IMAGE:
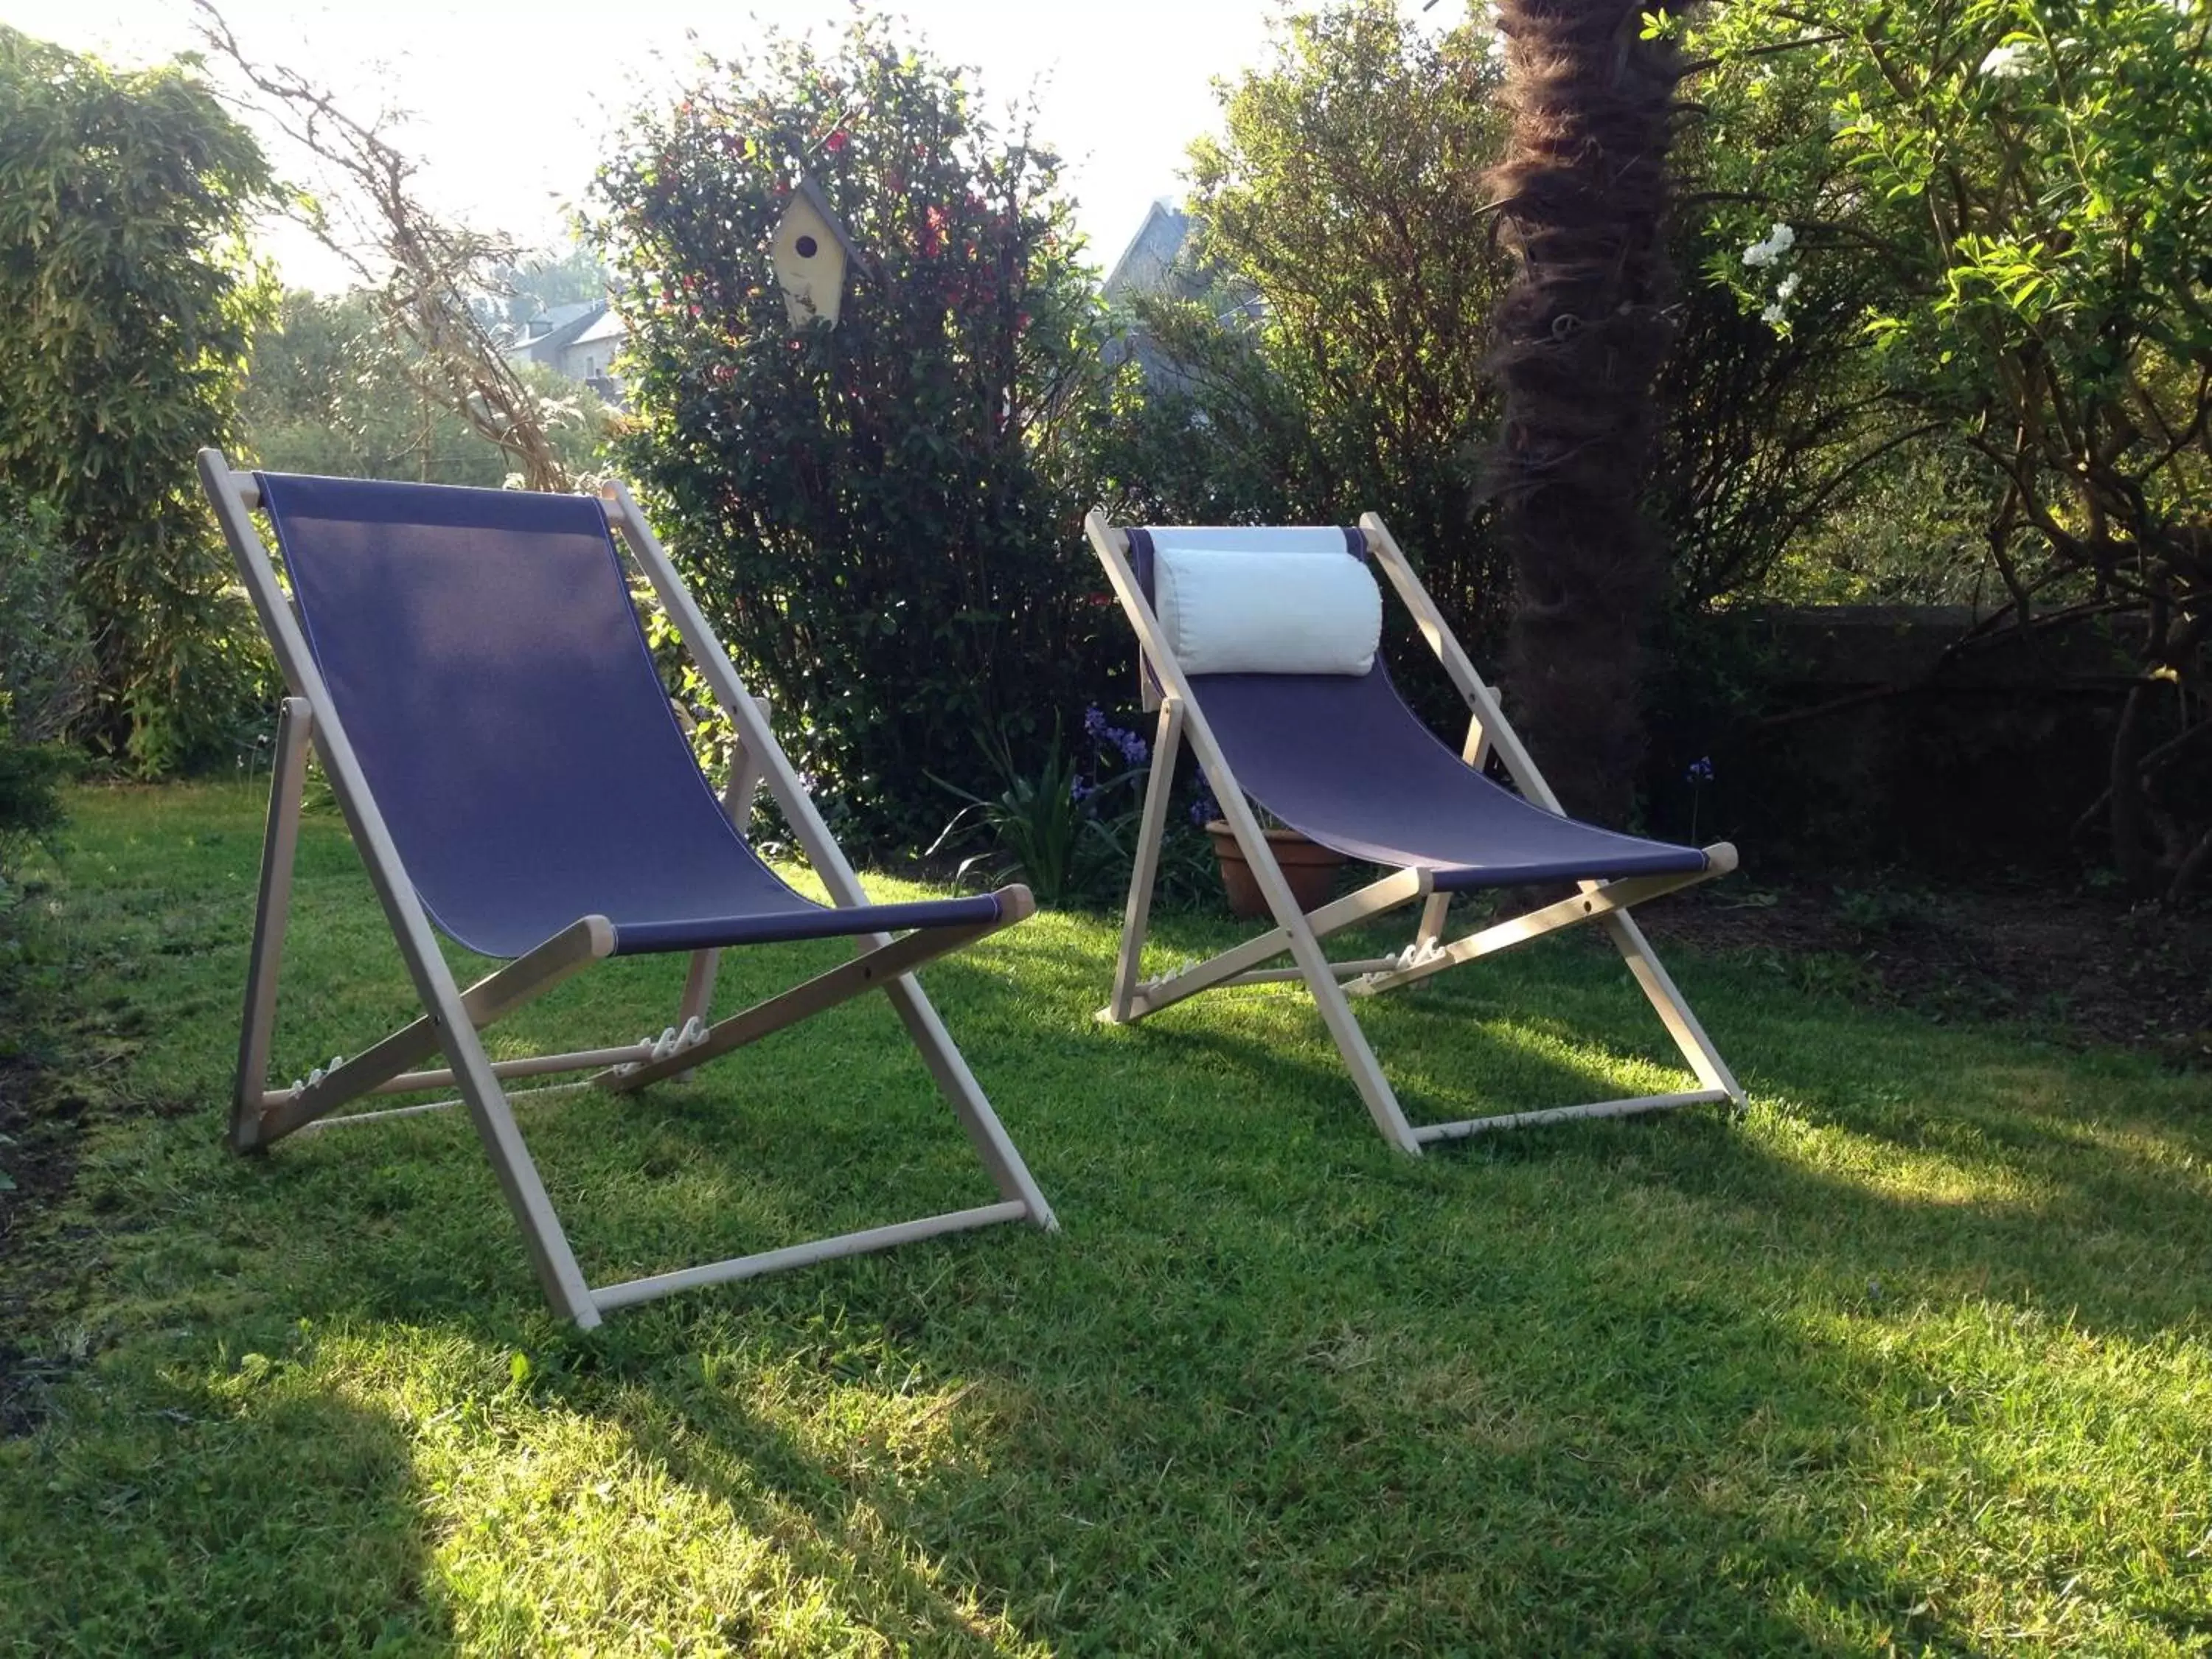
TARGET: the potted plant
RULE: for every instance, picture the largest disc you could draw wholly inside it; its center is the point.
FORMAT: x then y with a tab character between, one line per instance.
1309	867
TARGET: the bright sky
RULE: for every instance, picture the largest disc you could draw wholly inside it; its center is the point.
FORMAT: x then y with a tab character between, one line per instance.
509	105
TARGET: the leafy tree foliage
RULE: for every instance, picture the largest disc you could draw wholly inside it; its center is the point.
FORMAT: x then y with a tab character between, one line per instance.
883	517
1771	437
426	274
1334	363
123	200
329	390
1334	360
2034	180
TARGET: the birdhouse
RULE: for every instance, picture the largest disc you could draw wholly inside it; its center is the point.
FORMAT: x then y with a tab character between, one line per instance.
810	252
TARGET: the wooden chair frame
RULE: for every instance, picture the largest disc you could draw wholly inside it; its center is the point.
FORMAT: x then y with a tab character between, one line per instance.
453	1020
1333	984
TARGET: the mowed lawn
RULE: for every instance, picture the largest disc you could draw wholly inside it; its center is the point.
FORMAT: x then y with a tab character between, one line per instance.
1913	1355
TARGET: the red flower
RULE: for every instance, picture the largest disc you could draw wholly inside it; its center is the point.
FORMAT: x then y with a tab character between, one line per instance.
834	143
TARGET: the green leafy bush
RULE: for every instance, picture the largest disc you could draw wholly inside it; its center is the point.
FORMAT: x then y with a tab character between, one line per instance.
125	198
1332	360
883	519
45	660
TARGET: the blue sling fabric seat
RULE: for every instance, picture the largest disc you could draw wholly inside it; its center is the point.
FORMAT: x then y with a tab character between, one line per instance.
1343	761
481	648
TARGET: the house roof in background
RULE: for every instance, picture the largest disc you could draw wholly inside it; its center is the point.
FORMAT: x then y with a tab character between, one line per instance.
1144	263
569	323
608	326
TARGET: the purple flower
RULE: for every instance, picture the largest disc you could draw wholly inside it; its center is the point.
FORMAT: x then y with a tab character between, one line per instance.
1701	769
1132	749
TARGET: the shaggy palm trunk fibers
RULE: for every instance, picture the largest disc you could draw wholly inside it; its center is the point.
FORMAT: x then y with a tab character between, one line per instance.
1581	336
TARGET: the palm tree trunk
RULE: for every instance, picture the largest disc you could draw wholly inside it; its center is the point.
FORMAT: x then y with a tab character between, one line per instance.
1581	335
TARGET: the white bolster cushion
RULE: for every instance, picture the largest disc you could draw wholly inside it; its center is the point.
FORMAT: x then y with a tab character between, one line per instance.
1267	613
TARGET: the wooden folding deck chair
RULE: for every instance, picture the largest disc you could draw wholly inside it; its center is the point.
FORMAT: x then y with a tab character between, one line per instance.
469	666
1267	663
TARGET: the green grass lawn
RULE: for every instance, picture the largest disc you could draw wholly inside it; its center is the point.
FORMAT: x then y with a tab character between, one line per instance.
1912	1355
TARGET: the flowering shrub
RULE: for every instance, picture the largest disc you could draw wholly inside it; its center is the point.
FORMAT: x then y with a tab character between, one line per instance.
881	518
2030	180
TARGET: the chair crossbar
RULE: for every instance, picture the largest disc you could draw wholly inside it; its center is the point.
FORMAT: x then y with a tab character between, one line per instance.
1400	887
868	972
1290	976
489	999
385	1114
1587	906
578	1059
1429	1134
608	1297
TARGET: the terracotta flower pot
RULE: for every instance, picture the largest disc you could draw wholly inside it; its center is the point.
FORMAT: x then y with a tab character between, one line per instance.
1310	867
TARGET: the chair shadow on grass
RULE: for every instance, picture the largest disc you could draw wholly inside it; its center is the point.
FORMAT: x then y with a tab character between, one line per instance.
2054	1198
1274	1382
2105	1239
241	1510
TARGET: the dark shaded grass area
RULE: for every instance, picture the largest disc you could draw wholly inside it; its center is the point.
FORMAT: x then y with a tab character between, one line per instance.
1910	1355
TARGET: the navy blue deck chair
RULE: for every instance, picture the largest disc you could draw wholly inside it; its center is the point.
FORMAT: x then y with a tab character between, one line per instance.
469	668
1261	647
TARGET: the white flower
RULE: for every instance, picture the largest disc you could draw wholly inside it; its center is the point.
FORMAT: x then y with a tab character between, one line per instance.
1779	240
1788	287
2008	62
1773	314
